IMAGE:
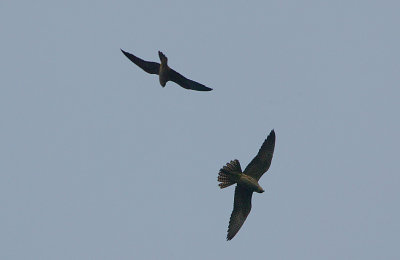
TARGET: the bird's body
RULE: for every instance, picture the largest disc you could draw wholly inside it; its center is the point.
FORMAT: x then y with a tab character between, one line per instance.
164	69
247	182
164	72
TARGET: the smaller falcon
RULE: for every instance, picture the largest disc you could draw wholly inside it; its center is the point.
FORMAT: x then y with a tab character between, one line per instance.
247	182
165	73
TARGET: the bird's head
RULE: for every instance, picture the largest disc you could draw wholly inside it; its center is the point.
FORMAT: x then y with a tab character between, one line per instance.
259	189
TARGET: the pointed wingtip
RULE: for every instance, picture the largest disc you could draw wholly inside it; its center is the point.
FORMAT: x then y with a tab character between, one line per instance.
230	236
196	86
200	87
272	136
124	52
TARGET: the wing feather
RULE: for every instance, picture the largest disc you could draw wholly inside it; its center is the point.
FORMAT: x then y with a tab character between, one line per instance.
241	209
186	83
261	163
148	66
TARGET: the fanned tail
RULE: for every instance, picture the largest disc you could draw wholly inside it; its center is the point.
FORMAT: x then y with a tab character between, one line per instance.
229	174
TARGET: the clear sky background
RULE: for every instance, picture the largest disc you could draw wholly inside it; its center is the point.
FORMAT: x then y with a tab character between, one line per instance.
98	161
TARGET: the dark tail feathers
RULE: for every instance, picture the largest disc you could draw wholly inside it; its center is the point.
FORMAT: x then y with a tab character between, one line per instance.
163	58
229	174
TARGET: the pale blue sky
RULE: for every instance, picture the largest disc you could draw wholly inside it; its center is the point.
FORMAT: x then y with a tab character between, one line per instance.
98	161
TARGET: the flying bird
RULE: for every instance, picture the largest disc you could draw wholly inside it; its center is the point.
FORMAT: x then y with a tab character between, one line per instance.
164	72
247	182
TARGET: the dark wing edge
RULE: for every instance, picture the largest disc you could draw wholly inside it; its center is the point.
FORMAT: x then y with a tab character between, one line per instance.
148	66
186	83
241	209
261	163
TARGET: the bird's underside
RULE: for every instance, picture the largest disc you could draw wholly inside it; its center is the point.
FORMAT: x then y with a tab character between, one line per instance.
165	73
247	183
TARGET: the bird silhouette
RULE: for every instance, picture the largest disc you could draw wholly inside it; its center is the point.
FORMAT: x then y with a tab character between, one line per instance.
247	182
164	72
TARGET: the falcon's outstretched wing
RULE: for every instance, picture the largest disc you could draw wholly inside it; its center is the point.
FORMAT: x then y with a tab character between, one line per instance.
260	164
186	83
241	209
148	66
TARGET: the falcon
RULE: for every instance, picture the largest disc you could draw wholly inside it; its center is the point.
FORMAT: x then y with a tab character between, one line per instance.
247	182
164	72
